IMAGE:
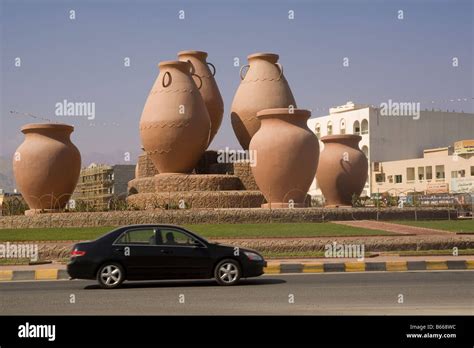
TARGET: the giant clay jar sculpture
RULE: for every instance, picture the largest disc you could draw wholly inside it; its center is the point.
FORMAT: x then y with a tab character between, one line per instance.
46	166
342	170
209	90
263	87
286	153
175	124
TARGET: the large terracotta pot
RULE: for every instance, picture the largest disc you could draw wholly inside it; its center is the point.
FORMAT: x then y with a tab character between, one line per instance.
263	87
342	170
209	90
46	166
175	124
287	155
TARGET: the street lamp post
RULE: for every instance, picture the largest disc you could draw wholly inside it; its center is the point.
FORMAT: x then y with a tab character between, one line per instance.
378	202
414	203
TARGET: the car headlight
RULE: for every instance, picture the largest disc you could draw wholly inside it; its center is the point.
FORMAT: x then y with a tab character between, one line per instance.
253	256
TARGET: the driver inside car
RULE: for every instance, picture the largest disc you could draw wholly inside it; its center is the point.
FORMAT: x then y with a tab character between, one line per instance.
170	238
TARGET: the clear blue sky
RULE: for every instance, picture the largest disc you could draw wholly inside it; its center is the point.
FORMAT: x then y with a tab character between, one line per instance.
82	60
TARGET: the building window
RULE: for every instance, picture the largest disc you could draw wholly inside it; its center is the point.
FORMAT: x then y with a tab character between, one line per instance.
398	179
356	128
342	125
364	127
329	128
429	172
365	150
472	170
439	172
454	174
390	179
318	130
380	177
411	174
421	173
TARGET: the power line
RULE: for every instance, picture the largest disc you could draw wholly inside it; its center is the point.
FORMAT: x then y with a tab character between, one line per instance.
30	115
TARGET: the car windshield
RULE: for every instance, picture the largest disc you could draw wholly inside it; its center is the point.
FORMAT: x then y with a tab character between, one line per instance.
199	236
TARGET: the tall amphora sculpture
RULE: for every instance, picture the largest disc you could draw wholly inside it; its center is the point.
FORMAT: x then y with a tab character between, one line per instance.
342	170
286	153
46	166
175	125
263	87
209	90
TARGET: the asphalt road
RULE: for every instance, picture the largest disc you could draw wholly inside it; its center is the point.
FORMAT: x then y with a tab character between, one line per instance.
444	292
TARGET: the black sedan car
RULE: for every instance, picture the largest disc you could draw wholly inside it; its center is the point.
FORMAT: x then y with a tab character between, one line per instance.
147	252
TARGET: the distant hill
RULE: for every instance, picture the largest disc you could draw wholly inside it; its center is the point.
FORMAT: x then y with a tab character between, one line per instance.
111	158
7	183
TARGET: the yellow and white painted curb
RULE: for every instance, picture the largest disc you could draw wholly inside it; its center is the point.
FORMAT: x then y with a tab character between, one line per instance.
356	266
38	274
282	267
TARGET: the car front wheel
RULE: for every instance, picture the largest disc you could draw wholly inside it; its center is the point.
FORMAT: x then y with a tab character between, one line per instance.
227	272
110	275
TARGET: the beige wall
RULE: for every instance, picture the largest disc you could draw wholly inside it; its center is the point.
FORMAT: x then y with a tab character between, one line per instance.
414	173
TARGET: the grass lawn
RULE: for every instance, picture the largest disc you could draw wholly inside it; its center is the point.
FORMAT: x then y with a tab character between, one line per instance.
280	230
448	252
38	234
14	261
300	254
448	225
205	230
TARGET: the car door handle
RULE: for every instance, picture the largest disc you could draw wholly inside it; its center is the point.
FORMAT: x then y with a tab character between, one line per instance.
164	251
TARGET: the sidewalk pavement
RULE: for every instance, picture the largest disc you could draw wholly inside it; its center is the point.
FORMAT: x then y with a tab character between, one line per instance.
57	271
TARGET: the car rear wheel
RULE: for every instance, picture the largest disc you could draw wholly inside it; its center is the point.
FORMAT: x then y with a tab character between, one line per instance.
227	272
110	275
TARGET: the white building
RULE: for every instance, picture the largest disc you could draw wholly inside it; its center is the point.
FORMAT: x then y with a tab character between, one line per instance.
392	137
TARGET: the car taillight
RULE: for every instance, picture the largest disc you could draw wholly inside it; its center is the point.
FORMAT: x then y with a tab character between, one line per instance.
76	252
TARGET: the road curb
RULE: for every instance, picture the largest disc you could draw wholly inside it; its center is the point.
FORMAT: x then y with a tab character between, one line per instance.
358	266
278	267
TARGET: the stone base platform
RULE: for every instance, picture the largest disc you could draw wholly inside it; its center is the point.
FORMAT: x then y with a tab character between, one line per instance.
284	205
196	199
184	182
207	165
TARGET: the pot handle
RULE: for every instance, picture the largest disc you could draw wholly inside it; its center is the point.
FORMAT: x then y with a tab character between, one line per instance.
169	78
200	80
213	68
241	70
281	69
192	69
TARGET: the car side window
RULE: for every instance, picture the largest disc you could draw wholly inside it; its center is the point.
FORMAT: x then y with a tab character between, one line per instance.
142	236
175	237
